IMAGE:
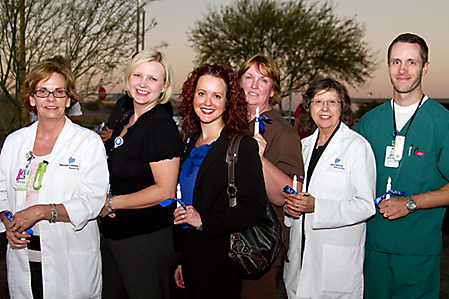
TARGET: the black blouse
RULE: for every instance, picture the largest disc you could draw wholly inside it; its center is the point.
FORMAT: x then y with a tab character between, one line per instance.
154	137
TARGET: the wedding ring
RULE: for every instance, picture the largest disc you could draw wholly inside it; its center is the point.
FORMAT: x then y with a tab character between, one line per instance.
297	205
386	214
183	216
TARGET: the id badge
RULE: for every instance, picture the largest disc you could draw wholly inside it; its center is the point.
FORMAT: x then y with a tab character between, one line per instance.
389	158
22	179
399	142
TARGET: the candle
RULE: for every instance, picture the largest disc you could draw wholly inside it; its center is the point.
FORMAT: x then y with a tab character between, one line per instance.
295	183
178	194
388	188
256	123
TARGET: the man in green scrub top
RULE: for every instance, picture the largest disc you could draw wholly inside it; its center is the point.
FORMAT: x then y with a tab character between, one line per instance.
410	139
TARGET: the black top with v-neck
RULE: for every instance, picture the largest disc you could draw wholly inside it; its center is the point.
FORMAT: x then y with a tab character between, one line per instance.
316	154
154	137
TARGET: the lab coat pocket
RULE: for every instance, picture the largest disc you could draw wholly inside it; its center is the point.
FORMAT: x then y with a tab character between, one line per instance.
342	269
335	182
62	182
85	274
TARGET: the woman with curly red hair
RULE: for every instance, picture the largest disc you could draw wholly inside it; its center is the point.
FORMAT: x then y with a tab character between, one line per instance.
214	109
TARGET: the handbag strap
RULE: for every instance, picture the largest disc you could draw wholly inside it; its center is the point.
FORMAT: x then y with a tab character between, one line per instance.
231	159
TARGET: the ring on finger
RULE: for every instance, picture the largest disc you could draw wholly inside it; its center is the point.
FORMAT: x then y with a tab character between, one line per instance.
183	216
297	205
386	214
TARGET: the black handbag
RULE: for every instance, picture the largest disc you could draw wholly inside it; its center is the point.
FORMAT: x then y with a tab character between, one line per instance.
252	251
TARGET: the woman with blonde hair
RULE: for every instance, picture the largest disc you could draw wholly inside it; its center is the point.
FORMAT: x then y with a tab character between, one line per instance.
144	150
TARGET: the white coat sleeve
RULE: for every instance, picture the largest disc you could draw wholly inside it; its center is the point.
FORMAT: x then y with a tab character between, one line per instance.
358	205
92	184
5	165
4	203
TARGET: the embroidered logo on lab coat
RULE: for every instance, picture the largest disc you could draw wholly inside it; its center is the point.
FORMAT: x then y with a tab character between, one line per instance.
71	164
336	165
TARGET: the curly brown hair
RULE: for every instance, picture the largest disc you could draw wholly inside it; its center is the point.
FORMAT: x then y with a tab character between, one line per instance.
42	71
346	116
235	114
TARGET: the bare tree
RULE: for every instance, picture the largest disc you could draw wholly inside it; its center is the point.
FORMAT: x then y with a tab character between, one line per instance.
97	36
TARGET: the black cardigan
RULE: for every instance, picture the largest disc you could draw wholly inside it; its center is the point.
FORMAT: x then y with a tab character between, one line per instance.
212	202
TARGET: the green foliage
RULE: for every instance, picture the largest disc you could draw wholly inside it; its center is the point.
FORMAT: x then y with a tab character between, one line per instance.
91	105
108	108
95	121
306	42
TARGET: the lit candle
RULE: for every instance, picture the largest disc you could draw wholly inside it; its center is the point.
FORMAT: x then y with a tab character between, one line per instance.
256	124
388	188
295	183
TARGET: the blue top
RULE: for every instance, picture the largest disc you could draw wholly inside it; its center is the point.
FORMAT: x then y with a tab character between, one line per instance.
189	172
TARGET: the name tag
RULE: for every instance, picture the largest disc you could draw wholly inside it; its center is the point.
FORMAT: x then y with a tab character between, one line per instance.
389	158
22	179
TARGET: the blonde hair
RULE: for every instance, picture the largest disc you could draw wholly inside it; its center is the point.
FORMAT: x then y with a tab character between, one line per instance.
153	55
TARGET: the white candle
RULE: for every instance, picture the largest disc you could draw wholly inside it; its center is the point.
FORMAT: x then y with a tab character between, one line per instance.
295	183
256	123
178	194
388	187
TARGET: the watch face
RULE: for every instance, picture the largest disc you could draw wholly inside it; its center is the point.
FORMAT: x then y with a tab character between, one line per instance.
411	204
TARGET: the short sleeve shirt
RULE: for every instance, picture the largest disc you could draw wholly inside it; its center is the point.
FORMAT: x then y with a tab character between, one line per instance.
154	137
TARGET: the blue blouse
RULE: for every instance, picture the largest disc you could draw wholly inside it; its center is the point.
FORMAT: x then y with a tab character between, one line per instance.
189	172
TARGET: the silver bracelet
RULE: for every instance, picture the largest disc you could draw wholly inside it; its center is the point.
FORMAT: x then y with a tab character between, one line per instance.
54	213
109	203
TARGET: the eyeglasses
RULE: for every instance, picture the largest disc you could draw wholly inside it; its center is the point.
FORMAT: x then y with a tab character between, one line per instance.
330	103
43	93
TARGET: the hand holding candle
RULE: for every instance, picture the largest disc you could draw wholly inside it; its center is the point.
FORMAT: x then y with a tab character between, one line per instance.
178	196
100	127
9	216
295	183
388	188
256	123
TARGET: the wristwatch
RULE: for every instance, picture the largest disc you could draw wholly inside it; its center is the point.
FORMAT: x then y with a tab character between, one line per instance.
109	203
411	204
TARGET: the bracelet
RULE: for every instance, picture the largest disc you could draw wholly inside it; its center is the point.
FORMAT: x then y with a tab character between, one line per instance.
109	203
54	213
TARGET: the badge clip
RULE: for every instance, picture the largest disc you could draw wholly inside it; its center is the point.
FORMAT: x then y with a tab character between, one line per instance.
42	167
399	142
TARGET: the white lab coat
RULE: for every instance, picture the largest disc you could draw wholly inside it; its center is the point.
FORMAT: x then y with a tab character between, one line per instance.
77	177
343	184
